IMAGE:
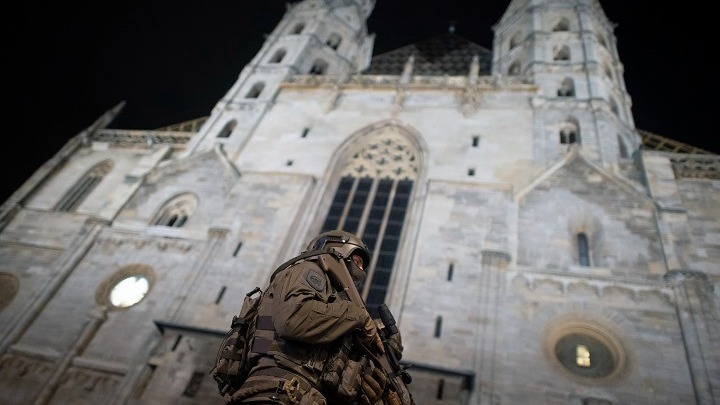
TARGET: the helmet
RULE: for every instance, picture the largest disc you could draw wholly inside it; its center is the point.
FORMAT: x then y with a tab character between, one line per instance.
343	242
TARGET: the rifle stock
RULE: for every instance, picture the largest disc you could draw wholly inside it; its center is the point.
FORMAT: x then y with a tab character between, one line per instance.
397	376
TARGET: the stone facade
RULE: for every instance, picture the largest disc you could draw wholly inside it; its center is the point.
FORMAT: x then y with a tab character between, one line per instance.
541	256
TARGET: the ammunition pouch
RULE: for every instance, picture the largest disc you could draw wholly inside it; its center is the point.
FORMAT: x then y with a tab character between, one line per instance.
278	385
343	377
313	397
330	380
351	380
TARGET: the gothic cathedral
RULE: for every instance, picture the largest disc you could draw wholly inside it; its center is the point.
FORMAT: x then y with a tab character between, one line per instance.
531	243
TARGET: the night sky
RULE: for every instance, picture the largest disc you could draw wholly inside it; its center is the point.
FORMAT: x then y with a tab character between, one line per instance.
66	64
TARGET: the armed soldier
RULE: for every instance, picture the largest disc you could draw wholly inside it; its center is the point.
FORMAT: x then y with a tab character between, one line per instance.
314	343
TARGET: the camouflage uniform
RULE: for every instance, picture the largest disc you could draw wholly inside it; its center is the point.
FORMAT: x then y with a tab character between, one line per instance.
307	316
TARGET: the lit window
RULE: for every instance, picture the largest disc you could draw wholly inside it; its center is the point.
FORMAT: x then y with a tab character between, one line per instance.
582	356
129	291
575	351
125	287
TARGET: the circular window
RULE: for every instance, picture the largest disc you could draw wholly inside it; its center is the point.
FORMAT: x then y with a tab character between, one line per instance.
129	291
9	287
127	287
585	356
587	351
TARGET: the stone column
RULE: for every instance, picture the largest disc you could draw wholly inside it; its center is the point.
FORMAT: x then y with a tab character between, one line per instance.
97	317
73	254
698	318
491	291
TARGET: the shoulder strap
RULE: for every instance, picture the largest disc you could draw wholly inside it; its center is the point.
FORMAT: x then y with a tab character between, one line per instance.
302	256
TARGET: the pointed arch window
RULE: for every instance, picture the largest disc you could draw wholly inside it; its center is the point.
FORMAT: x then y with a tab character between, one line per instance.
334	41
514	69
176	211
371	201
255	91
227	129
278	56
298	28
318	67
614	107
607	71
515	40
561	53
622	147
83	187
569	133
562	25
601	40
567	88
583	249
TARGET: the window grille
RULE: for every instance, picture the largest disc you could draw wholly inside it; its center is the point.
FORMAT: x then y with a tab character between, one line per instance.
83	187
371	201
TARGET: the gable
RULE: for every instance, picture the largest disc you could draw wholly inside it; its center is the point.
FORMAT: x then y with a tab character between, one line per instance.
206	175
575	198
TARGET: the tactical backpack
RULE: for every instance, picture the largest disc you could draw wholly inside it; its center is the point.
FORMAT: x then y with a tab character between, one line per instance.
250	336
232	360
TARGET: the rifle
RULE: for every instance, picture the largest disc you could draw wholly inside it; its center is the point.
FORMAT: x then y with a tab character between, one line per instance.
396	392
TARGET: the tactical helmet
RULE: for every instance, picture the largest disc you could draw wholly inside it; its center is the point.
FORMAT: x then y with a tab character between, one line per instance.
343	242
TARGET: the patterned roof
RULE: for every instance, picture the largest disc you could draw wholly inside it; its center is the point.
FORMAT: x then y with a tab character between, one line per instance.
447	54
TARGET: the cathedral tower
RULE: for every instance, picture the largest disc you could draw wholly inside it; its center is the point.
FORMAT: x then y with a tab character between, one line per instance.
568	48
530	248
315	37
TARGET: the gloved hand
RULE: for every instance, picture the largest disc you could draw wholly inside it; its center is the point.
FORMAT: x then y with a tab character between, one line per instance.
373	385
370	337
